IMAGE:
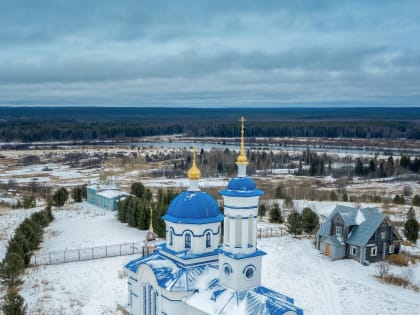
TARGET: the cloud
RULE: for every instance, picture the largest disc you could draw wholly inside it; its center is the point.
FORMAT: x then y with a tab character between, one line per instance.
209	53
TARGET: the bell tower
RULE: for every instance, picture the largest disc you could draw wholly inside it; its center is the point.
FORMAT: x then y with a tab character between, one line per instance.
239	258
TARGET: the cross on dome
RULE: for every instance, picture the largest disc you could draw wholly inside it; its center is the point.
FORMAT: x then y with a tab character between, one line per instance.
242	160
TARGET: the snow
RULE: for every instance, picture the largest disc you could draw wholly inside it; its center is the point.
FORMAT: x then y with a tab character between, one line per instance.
360	218
292	267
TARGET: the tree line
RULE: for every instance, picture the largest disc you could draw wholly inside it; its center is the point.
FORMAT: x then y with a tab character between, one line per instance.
136	209
27	238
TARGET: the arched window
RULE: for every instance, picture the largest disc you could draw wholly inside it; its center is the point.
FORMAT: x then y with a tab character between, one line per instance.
171	237
238	232
187	240
208	240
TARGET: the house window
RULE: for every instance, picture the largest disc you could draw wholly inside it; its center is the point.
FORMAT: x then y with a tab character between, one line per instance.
353	250
208	240
383	235
373	251
338	230
391	249
187	240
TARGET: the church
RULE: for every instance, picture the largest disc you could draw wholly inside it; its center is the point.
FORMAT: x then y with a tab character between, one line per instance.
192	273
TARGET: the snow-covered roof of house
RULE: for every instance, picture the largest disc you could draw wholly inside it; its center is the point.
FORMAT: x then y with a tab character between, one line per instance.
111	194
365	220
101	187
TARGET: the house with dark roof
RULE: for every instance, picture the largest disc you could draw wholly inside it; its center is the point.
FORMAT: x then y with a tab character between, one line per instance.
362	234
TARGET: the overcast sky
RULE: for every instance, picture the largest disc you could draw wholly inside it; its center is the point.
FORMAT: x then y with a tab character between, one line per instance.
210	53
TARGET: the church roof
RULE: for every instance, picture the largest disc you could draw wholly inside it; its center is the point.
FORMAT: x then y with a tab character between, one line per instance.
193	207
241	187
208	294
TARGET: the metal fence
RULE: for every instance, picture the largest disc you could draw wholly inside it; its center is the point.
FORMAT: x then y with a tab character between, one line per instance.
61	257
270	232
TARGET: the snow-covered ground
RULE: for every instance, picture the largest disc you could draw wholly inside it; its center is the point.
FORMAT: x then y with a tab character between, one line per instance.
292	267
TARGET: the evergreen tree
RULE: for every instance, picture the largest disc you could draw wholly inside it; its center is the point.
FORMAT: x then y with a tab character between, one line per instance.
279	192
411	226
29	201
76	194
344	197
333	195
310	220
144	214
288	202
399	200
13	265
138	189
60	197
416	201
294	223
84	191
13	303
262	210
275	214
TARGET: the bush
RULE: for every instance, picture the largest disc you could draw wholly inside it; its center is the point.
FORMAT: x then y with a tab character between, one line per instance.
398	260
29	201
13	303
416	201
262	210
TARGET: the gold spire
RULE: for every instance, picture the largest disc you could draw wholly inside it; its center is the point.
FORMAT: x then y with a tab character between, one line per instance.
151	220
194	173
242	157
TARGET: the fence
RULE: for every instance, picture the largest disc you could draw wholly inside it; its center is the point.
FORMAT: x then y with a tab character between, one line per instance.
61	257
270	232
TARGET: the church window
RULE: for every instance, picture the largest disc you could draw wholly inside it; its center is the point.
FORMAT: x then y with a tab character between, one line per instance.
208	240
250	230
238	232
187	240
227	269
249	272
171	237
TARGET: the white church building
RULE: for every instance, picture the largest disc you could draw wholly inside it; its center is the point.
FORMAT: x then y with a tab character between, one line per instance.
192	273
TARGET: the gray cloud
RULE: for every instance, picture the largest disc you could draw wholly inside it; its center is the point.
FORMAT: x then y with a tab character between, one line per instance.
207	53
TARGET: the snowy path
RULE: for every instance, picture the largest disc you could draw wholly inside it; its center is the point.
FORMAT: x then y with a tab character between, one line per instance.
333	307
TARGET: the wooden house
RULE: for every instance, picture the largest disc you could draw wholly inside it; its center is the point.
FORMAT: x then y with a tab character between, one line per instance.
365	235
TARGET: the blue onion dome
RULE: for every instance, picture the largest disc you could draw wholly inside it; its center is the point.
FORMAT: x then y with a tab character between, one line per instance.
241	187
193	207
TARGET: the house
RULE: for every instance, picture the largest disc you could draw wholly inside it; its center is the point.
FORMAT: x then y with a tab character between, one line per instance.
365	235
192	273
105	196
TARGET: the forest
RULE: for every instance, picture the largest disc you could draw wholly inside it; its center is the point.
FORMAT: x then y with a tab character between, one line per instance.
96	124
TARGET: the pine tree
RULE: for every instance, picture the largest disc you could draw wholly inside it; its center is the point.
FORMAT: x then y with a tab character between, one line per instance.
60	197
13	303
411	226
275	214
13	266
288	202
144	215
262	210
310	220
294	223
76	194
138	189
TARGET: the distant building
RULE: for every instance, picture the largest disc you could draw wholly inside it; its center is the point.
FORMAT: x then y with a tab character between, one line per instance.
192	273
365	235
105	196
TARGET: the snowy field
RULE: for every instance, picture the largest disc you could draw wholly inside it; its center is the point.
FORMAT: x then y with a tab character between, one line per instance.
292	267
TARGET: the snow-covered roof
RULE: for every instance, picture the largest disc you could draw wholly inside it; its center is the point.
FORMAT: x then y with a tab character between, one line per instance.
101	187
111	194
207	294
365	220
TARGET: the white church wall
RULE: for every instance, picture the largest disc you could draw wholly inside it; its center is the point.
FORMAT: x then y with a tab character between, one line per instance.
241	201
237	278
